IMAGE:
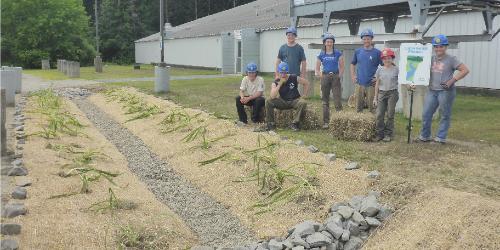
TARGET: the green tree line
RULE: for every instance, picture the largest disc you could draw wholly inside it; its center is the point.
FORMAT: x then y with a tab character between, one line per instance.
32	30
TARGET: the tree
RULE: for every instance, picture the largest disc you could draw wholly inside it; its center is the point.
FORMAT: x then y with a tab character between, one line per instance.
39	29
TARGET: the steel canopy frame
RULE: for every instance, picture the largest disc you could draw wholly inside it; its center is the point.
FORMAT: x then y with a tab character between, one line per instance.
353	11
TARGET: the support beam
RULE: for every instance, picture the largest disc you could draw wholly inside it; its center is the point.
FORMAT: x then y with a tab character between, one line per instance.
419	10
390	22
353	22
488	21
326	21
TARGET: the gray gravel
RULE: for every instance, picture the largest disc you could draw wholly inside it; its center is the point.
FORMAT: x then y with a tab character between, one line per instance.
213	223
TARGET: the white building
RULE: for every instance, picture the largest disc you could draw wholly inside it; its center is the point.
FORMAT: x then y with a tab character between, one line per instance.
254	32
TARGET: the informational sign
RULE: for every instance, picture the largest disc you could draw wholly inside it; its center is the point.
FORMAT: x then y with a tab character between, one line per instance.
415	63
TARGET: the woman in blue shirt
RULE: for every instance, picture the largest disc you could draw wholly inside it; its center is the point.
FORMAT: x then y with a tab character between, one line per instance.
330	68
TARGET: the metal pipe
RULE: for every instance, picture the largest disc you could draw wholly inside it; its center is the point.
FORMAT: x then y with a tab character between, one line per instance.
162	27
433	21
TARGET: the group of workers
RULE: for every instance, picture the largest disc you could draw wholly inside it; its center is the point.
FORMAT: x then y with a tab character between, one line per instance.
372	71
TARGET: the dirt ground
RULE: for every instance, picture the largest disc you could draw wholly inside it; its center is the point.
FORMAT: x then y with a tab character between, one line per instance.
65	223
427	217
442	218
217	179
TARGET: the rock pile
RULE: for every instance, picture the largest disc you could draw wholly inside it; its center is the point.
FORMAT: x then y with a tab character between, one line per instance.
347	226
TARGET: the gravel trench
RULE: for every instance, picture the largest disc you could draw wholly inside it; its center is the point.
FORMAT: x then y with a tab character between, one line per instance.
211	221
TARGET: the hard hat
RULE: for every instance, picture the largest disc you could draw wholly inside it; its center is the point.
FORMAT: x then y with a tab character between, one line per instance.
387	52
283	67
251	67
440	40
292	30
328	36
366	32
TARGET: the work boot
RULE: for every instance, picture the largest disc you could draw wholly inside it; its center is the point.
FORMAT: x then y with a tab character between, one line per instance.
377	138
294	127
387	138
325	126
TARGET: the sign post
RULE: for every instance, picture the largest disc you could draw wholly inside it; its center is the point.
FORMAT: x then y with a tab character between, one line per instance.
414	69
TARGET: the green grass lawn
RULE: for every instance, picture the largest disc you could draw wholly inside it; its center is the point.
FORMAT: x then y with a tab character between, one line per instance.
470	165
111	71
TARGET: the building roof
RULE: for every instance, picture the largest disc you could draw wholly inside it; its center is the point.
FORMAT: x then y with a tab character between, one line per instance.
260	14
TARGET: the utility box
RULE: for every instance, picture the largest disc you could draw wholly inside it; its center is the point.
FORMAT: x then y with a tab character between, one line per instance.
162	78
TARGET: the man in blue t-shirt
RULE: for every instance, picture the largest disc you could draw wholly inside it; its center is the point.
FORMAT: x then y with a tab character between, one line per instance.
363	67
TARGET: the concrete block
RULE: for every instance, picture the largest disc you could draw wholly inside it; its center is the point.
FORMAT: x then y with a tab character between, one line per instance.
45	64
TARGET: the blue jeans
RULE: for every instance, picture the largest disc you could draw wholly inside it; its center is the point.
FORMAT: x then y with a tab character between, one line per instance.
434	99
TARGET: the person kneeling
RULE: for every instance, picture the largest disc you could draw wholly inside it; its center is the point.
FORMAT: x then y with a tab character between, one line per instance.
251	94
285	95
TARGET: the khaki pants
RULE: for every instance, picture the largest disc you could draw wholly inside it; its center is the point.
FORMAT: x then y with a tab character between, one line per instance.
386	102
330	82
278	103
361	92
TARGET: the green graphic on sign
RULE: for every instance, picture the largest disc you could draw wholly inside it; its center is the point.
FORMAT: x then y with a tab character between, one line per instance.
412	63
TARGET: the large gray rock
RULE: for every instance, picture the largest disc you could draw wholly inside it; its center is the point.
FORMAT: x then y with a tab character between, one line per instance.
305	228
345	211
299	143
318	239
373	175
9	244
357	217
334	229
384	213
332	246
298	248
372	221
312	149
297	241
19	193
334	218
355	202
345	235
336	205
275	245
327	234
23	181
353	228
13	210
369	206
14	171
351	166
353	243
17	162
331	157
10	229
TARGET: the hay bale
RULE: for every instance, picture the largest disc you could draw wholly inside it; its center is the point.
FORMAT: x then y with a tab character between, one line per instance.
262	116
284	118
352	126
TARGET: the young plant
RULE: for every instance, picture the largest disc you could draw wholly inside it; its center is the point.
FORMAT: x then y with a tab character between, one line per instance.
88	175
111	204
279	184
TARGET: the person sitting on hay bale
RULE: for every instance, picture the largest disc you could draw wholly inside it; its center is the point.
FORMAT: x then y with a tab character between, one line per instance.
251	94
285	95
386	95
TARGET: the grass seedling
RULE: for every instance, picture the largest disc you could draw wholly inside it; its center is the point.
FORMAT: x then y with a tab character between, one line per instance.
58	120
111	203
210	161
88	175
279	184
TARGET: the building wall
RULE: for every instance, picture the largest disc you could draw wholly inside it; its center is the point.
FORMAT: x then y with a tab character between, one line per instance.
147	52
199	52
